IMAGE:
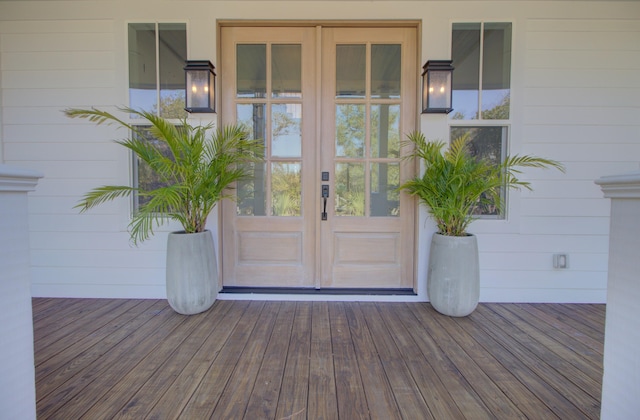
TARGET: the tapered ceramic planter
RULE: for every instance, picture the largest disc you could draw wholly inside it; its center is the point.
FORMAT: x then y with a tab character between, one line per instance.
453	284
192	272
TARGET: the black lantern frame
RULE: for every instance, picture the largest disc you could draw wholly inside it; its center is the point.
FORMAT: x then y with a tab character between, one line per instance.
200	86
437	82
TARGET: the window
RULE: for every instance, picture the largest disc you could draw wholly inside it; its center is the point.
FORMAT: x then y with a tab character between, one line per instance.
157	55
481	55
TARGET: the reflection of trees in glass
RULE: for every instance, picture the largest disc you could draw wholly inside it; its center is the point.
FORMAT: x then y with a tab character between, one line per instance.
350	130
385	196
385	131
171	105
498	112
148	179
486	143
283	124
286	134
286	190
251	200
350	196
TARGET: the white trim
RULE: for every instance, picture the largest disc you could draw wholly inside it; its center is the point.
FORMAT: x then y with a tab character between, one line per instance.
13	178
621	186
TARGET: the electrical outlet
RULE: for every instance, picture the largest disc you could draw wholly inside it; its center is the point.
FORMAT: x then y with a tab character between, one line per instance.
560	261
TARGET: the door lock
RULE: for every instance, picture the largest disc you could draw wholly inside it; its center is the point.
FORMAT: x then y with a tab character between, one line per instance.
325	195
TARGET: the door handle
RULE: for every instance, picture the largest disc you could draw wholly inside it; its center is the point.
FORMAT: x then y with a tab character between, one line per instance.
325	195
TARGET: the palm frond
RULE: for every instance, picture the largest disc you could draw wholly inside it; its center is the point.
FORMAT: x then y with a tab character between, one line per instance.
197	166
454	182
103	194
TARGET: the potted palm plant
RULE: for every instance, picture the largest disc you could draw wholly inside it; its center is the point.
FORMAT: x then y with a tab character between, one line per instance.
453	186
195	166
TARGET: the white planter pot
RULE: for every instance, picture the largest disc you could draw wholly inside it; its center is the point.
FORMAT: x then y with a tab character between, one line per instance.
453	284
192	272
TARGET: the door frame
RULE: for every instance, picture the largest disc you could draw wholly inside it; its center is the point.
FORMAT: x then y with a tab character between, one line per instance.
319	25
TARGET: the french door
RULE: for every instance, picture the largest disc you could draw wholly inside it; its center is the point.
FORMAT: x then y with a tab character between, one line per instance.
332	105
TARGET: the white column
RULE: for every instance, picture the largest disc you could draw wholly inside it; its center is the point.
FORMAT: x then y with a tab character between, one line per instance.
17	372
621	380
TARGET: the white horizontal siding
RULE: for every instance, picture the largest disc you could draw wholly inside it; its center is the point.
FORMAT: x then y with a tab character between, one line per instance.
577	207
86	240
105	259
539	243
542	261
580	89
580	135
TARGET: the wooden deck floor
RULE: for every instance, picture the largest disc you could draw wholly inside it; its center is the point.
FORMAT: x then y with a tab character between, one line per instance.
138	359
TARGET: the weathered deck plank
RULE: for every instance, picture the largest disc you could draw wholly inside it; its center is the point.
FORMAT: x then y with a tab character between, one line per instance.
294	360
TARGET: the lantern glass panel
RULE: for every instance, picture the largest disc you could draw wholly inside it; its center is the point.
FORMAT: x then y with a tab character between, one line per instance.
439	85
198	85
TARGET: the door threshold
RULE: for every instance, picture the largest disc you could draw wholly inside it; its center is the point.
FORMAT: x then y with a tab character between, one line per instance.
313	291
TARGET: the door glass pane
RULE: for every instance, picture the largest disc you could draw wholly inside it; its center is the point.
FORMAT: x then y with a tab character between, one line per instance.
252	116
351	67
172	52
251	70
286	71
350	130
465	56
286	131
385	71
251	192
143	94
496	71
286	191
385	198
385	131
349	185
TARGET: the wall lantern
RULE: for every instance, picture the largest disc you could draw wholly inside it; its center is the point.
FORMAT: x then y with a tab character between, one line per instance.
436	87
200	86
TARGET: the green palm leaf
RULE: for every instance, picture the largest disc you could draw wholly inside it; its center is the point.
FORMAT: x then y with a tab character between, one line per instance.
454	182
197	171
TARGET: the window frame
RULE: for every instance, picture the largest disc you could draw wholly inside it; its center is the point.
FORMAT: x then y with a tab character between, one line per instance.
132	159
504	124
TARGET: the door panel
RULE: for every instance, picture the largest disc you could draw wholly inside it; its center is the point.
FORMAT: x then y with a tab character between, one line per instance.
331	104
268	82
368	101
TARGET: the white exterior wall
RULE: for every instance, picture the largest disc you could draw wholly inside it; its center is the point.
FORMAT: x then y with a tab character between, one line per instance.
574	98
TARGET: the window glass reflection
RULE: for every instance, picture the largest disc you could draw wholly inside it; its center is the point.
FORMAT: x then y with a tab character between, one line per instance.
385	70
385	131
286	71
251	70
496	71
350	130
465	56
172	54
350	191
143	93
286	193
385	198
286	131
351	66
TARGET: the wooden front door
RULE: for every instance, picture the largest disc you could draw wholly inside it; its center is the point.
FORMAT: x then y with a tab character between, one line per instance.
332	105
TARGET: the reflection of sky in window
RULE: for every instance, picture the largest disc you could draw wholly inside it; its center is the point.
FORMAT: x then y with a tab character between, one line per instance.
286	141
491	98
142	99
145	99
465	102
